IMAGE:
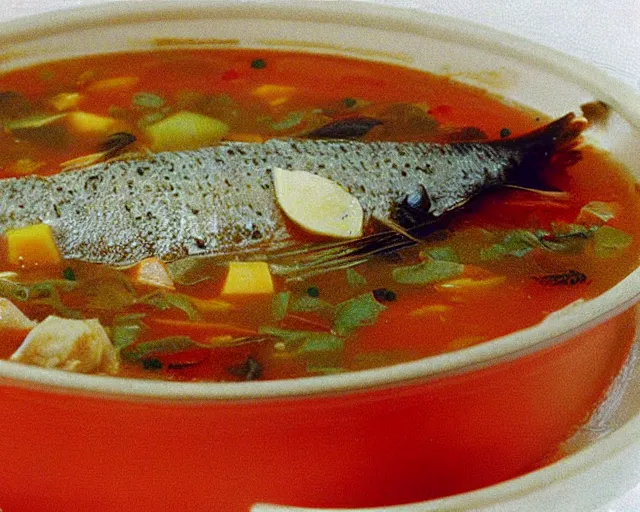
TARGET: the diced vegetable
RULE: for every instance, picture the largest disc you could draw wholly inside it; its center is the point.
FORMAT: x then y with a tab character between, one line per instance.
318	205
248	278
85	123
152	272
110	84
12	318
147	100
66	100
356	312
73	345
185	130
274	94
429	271
32	245
470	284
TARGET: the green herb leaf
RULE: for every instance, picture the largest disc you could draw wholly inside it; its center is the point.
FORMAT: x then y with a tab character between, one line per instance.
147	100
164	301
43	292
596	210
125	334
610	242
444	253
279	305
516	243
356	312
168	345
308	304
322	342
355	279
429	271
293	119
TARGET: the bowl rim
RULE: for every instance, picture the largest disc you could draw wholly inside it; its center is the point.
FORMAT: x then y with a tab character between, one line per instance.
556	328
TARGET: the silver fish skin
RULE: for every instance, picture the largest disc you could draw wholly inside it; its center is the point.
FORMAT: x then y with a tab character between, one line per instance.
220	199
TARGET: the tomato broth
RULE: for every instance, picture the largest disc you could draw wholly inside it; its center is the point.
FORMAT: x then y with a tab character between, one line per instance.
506	261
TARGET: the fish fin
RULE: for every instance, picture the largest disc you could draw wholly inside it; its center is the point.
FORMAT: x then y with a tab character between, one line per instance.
312	259
554	143
391	225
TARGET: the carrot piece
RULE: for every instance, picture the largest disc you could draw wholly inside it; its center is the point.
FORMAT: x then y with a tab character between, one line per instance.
32	245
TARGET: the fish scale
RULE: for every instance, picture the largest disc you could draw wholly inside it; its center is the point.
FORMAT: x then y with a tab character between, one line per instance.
220	199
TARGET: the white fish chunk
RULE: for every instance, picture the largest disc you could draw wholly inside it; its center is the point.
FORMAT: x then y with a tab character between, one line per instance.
80	346
12	318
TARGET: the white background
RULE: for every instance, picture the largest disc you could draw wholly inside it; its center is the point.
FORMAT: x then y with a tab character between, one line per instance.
603	32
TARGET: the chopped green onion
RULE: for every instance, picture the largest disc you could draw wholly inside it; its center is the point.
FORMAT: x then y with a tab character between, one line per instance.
355	279
309	304
279	305
164	301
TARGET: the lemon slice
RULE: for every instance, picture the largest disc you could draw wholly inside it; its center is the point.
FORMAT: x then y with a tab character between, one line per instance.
317	204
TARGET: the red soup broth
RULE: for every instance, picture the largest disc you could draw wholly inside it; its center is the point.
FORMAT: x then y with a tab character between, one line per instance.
524	254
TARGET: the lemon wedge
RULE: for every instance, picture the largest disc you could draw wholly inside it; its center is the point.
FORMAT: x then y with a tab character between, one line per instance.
317	204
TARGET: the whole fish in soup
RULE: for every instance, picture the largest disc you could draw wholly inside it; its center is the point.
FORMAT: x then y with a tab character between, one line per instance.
261	221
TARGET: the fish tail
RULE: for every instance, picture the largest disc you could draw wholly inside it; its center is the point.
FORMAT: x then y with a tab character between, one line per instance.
553	143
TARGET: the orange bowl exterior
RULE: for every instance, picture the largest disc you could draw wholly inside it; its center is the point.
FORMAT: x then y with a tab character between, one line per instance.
407	442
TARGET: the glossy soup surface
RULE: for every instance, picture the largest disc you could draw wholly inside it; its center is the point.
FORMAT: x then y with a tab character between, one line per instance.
505	262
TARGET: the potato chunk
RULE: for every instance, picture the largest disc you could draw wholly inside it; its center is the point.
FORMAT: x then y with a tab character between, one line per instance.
185	130
152	272
32	245
248	278
12	318
80	346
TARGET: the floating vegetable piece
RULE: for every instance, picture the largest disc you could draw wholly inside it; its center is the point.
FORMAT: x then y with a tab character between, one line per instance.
356	312
597	213
610	242
248	278
185	130
147	100
355	279
111	84
162	346
309	304
125	330
293	119
305	341
444	253
32	245
152	272
515	243
317	204
470	284
274	94
12	318
429	271
198	330
35	121
164	301
80	346
85	123
66	100
280	305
